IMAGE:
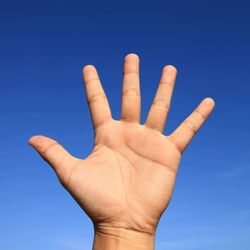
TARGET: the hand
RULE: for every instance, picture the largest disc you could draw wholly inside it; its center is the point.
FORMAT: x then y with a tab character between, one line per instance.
126	183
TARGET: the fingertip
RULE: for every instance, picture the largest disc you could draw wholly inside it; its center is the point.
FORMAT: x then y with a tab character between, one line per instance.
39	142
33	140
132	57
87	68
89	73
209	102
131	64
170	68
206	107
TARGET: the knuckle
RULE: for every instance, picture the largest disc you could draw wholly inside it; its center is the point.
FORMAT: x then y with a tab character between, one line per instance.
103	122
130	74
201	116
190	125
91	80
49	148
170	83
161	102
131	92
66	175
96	97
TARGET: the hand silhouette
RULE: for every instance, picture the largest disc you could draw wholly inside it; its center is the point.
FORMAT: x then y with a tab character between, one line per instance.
126	183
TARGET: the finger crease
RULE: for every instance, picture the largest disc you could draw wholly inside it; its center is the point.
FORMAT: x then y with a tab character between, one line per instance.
190	124
49	147
131	92
171	84
161	103
92	80
96	97
105	120
131	73
178	148
200	115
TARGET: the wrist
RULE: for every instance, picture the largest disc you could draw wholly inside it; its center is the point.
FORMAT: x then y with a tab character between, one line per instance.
122	239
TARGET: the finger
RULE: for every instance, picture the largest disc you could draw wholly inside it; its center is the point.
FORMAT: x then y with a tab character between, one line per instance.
96	97
59	159
131	101
185	132
159	110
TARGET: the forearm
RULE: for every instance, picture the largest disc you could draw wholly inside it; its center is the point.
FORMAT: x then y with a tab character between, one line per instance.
123	239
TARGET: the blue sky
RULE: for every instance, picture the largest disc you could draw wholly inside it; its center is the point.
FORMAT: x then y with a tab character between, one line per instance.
44	45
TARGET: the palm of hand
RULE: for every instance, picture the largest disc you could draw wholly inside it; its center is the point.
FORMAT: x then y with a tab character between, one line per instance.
128	179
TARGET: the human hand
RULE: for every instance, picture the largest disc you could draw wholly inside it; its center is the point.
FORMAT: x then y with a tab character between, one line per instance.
126	183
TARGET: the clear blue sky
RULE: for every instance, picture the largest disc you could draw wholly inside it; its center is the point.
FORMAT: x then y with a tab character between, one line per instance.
44	45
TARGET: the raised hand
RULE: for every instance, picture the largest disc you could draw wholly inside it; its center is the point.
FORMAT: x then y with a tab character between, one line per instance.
126	183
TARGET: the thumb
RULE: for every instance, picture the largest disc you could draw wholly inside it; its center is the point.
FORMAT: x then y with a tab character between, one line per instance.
52	152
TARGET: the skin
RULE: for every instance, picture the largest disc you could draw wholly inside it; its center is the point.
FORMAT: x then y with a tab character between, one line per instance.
126	182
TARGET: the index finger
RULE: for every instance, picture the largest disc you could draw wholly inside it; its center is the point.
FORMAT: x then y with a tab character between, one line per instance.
96	97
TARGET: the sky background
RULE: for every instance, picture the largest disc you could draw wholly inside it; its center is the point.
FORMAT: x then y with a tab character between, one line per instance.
43	47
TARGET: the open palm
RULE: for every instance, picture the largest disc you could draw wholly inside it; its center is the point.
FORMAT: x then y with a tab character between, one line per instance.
128	179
